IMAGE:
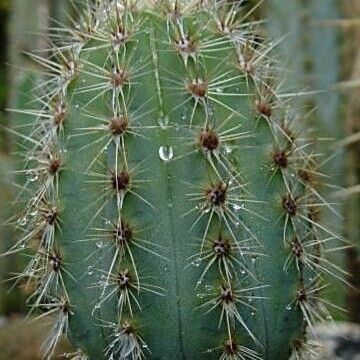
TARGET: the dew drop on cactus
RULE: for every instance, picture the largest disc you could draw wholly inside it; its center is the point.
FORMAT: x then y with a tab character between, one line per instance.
166	153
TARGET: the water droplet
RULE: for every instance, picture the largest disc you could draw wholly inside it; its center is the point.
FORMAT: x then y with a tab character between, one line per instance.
22	221
166	153
228	149
197	263
100	244
32	176
288	307
90	270
163	122
253	313
170	205
145	346
77	106
219	90
238	207
33	201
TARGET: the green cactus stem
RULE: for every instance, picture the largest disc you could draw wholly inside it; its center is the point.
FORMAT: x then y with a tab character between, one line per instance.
172	211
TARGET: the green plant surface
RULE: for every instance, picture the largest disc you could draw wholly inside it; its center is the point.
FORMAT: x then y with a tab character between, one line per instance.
168	193
172	208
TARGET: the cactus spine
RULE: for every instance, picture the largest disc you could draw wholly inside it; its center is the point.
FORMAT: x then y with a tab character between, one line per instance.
172	203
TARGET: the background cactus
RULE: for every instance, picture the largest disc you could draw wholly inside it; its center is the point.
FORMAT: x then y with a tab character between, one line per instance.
173	212
27	31
352	72
5	232
312	49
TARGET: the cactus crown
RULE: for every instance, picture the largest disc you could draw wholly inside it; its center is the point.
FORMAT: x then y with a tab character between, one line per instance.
174	203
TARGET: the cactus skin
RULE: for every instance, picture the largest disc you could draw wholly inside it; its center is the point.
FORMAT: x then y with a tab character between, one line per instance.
142	173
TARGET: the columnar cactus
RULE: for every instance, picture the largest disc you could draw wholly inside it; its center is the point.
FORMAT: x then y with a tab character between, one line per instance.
312	50
5	232
27	30
173	212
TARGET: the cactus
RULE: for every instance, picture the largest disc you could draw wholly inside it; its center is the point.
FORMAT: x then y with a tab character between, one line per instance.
17	85
173	212
5	233
351	11
309	42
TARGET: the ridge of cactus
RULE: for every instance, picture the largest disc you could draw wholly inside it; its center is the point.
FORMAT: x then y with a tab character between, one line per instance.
173	210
